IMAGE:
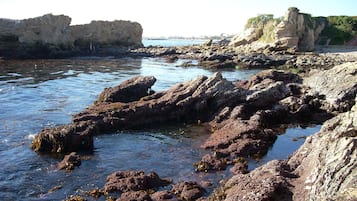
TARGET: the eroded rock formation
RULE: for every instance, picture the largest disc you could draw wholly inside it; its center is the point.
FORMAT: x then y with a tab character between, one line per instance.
52	36
296	31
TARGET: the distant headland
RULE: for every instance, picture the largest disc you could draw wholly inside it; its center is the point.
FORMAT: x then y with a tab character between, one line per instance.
52	36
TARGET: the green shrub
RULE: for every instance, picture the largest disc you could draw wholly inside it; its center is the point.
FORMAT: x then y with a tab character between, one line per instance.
340	29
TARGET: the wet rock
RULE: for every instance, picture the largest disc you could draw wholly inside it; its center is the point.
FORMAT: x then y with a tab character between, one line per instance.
70	161
128	91
75	198
188	191
192	101
125	181
209	163
62	139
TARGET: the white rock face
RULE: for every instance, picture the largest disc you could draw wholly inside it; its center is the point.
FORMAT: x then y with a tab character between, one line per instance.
296	31
56	29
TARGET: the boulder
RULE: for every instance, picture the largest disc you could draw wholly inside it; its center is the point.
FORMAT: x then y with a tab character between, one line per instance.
188	191
248	36
128	91
126	181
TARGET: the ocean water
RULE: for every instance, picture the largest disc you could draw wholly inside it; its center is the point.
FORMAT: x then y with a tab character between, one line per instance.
172	42
35	94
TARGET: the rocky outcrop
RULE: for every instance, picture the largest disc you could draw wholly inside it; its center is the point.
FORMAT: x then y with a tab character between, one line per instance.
97	35
338	85
52	36
192	101
296	31
324	168
128	91
126	181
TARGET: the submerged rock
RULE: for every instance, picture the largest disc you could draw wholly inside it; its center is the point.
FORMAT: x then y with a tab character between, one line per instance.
70	161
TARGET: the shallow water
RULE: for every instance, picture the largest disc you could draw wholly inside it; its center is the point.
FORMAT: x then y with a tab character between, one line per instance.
42	93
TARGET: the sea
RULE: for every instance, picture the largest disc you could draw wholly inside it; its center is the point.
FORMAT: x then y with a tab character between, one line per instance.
37	94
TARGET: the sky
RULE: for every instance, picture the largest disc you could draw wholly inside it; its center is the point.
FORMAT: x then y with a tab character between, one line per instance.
174	17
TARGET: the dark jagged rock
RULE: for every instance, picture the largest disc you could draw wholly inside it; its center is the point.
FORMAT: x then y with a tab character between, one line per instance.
128	91
62	139
188	191
70	161
209	163
125	181
188	102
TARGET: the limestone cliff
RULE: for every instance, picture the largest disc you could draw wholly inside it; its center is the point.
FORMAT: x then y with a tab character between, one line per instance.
52	36
296	30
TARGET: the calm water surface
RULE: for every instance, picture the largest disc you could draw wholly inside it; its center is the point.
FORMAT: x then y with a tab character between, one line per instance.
42	93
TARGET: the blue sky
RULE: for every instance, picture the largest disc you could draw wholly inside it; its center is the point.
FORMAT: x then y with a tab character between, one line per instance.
174	17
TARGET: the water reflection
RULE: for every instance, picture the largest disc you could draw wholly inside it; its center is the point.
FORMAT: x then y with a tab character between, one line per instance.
42	93
37	71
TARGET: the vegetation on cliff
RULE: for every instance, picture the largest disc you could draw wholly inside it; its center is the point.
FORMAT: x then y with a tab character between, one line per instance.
265	25
339	30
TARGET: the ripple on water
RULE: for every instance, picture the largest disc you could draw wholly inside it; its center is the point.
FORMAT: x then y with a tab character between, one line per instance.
35	94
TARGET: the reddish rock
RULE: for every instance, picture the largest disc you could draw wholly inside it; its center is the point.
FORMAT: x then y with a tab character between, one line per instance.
124	181
240	166
128	91
135	196
209	162
268	182
164	196
188	191
70	161
192	101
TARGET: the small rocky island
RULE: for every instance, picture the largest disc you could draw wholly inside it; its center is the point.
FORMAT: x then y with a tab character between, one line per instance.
298	87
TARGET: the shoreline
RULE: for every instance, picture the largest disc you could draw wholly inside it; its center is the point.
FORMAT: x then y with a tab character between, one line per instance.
268	99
